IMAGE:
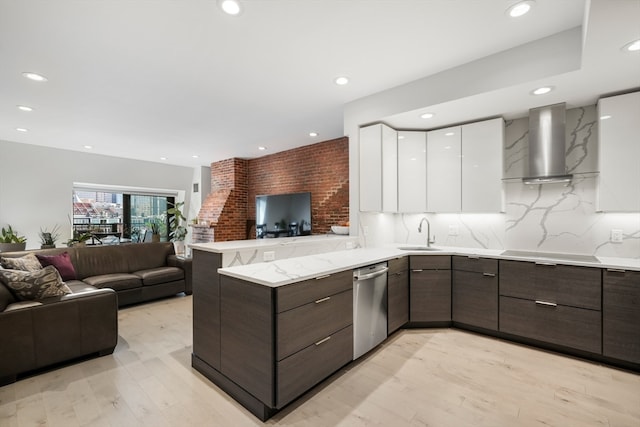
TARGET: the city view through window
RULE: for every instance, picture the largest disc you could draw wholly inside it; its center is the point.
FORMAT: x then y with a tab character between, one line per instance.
110	217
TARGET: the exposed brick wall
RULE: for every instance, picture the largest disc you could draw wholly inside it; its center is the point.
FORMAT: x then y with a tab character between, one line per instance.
322	169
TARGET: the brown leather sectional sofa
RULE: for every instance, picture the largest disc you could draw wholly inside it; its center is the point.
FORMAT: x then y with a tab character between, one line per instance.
45	332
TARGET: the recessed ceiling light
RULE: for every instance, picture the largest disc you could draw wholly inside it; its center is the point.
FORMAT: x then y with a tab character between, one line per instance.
449	134
24	108
521	8
195	156
261	148
633	46
605	117
400	136
448	147
163	158
22	130
542	90
230	7
427	115
341	81
34	76
88	147
313	134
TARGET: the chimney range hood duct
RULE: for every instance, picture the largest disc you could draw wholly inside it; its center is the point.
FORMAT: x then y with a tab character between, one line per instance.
547	145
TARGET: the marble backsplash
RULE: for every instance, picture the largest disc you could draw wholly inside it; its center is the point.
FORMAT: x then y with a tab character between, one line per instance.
546	218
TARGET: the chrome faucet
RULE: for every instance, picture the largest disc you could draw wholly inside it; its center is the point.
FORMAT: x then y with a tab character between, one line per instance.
429	241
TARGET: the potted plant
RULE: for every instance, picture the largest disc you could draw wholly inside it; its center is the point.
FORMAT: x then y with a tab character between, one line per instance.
154	226
177	232
48	238
79	239
11	241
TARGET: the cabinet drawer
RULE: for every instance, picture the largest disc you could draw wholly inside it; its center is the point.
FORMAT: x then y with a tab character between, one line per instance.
300	293
430	262
304	325
301	371
571	327
621	315
398	265
561	284
475	299
471	263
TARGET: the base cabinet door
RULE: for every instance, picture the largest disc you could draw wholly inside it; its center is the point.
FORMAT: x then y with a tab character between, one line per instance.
430	288
475	299
397	294
621	315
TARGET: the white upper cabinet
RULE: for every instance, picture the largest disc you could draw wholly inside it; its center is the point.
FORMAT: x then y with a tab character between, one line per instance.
482	148
412	171
619	153
444	170
378	169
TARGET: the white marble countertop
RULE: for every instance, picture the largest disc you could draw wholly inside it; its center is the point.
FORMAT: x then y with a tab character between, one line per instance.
238	245
291	270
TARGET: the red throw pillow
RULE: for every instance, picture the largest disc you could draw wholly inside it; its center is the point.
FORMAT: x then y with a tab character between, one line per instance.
62	263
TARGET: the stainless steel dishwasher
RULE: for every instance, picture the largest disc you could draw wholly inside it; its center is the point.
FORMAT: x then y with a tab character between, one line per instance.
369	308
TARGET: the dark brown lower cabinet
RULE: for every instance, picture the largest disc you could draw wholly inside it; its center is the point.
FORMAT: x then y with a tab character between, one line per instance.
397	294
306	368
430	288
571	327
475	292
621	315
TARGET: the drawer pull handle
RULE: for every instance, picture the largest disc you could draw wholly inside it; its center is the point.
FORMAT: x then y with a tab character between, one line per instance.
489	274
323	277
416	271
473	257
547	303
616	270
324	340
318	301
548	264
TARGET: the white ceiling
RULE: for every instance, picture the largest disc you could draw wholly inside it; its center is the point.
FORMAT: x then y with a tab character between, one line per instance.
143	79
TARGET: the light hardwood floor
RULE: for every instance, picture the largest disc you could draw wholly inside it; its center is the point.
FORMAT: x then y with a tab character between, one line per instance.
431	377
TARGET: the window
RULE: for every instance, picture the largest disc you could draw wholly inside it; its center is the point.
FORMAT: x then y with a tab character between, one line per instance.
111	217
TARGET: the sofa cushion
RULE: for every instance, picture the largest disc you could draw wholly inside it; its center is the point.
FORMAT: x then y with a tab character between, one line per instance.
34	285
62	263
28	262
78	286
145	256
115	281
158	275
98	260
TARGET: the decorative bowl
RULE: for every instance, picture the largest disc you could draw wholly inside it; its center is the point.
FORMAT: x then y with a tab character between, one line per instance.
338	229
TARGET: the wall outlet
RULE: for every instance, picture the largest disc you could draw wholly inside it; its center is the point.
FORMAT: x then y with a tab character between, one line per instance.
616	235
269	256
453	230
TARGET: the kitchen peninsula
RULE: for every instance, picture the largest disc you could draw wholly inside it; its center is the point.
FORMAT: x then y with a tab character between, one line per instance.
267	332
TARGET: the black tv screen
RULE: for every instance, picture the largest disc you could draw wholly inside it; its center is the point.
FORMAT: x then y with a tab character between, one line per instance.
283	215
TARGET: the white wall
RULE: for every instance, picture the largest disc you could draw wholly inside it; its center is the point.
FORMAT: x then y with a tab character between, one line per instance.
36	184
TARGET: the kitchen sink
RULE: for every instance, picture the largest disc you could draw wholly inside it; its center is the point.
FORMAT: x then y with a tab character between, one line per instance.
419	248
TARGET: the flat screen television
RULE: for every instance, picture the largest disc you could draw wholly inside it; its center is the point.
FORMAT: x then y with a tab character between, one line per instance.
283	215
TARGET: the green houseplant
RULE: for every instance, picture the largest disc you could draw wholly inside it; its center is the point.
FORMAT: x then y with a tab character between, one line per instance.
49	238
79	239
177	232
154	225
10	240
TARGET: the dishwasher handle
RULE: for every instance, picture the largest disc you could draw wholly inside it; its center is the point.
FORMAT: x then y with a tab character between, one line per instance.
371	275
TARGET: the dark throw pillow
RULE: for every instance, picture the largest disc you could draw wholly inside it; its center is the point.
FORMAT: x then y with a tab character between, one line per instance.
35	285
62	263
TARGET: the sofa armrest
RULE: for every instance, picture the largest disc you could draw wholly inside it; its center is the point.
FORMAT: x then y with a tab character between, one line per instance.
184	264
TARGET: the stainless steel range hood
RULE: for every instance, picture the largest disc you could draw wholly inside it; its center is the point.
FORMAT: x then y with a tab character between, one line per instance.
547	145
